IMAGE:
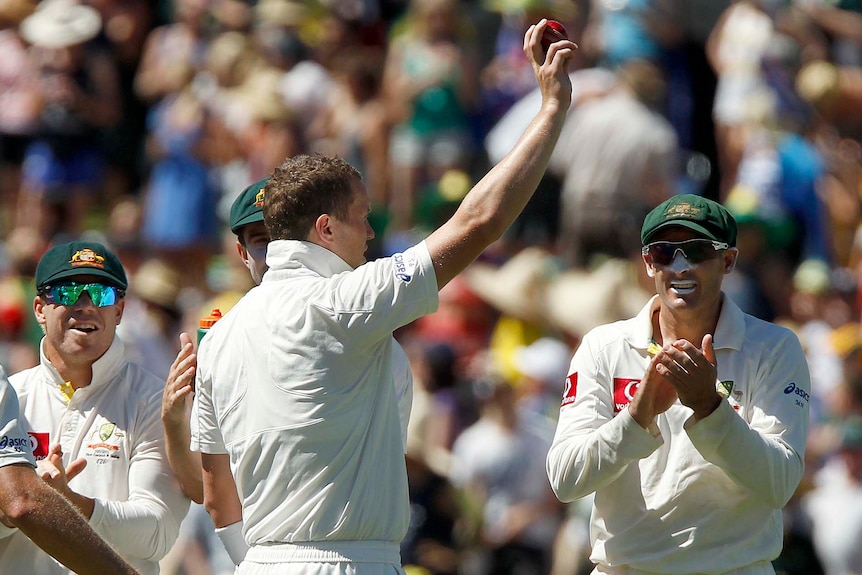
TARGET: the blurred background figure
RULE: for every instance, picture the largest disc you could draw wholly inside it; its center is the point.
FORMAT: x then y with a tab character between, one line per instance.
78	95
430	83
498	464
834	505
19	102
617	159
153	317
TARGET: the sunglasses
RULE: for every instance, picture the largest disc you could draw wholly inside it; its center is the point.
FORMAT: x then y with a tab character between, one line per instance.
68	293
695	251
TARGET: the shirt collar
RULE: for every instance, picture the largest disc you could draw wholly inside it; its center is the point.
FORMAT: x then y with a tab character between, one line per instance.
103	368
729	332
291	254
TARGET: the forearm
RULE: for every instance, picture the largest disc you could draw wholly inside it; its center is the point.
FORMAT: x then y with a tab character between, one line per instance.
582	461
82	503
146	523
49	520
493	204
186	464
220	495
143	529
764	464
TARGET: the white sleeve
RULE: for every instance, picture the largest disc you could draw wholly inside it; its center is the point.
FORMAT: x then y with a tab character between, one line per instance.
146	525
14	441
206	436
764	453
592	446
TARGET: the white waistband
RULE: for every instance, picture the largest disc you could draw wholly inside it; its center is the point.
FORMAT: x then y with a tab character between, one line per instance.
762	568
326	551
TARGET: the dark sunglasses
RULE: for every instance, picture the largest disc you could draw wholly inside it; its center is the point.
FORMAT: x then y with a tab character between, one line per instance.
68	293
695	251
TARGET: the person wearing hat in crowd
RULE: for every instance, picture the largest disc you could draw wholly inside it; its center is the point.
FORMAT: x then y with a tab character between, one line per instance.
294	409
30	505
78	95
689	421
93	416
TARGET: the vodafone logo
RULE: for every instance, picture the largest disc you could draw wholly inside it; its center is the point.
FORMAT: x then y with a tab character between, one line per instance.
624	392
571	389
39	444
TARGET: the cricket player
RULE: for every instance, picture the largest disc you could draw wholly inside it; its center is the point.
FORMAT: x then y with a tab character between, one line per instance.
295	411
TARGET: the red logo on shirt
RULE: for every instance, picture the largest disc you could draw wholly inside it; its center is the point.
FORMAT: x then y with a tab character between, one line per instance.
624	392
39	444
571	389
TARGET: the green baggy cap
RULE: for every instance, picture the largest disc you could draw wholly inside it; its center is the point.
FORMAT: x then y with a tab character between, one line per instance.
706	217
248	206
82	258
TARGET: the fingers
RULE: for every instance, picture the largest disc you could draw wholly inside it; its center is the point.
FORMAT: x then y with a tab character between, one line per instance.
708	349
55	450
185	357
682	358
534	51
75	467
533	38
182	372
47	470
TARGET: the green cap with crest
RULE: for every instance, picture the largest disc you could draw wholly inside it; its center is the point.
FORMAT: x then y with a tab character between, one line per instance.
706	217
65	262
247	208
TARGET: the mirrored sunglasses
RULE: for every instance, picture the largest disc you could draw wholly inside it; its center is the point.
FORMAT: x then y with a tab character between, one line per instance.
68	293
695	251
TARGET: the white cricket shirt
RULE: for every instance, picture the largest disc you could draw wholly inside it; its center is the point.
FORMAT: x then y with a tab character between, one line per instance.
295	383
702	498
115	424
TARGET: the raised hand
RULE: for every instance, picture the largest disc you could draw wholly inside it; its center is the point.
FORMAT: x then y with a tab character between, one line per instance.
551	69
655	394
52	470
692	372
180	383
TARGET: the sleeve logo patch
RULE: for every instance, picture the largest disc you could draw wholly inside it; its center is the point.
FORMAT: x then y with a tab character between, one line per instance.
404	266
801	394
571	389
39	444
624	392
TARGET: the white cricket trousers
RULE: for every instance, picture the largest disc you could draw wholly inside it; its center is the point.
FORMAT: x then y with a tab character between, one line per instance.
323	558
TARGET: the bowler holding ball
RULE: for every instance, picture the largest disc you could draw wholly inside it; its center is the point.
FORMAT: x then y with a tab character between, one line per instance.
297	416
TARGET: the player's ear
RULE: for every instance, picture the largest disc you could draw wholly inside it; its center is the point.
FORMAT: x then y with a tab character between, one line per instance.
650	270
729	258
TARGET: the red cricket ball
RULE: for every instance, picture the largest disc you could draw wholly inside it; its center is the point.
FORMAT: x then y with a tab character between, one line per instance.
554	31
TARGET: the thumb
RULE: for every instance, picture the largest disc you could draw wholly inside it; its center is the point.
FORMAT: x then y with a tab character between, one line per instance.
708	349
75	467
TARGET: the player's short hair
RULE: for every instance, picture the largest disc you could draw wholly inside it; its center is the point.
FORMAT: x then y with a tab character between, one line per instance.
303	188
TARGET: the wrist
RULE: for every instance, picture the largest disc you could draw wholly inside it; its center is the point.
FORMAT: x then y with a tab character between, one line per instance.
640	417
704	412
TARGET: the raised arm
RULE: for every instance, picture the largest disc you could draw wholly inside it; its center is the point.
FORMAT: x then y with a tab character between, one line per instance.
185	463
494	203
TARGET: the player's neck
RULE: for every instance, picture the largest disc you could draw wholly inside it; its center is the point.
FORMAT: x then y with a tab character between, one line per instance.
669	326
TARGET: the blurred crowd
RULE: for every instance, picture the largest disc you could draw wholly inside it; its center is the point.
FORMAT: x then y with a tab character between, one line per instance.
138	122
